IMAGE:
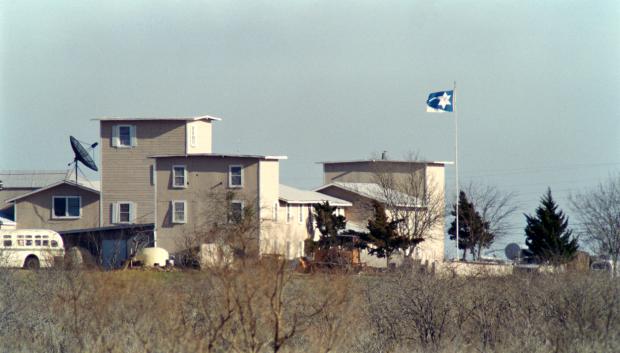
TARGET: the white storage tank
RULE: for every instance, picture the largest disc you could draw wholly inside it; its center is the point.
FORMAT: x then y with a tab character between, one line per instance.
152	257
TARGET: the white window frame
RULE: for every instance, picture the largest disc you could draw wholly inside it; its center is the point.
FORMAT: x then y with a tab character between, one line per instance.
193	138
300	216
174	179
173	205
230	184
66	207
289	214
116	136
116	219
276	207
230	217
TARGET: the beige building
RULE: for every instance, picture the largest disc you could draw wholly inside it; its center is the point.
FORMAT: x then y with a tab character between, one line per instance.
127	174
199	193
292	222
407	186
63	205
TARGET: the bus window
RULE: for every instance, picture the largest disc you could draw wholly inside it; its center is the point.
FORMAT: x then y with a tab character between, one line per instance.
46	236
28	236
20	242
46	243
20	237
54	244
37	237
8	243
7	236
37	242
28	242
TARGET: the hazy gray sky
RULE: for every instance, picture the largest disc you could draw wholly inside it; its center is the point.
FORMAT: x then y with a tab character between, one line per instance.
538	82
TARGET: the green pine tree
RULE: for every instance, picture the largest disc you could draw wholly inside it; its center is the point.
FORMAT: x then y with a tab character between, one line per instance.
547	235
383	234
474	232
329	224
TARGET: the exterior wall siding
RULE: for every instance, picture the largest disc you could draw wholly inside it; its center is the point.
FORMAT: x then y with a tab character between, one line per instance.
199	137
366	172
287	238
126	173
35	211
205	195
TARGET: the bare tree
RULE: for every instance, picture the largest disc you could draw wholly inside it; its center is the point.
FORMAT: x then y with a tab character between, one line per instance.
494	207
415	198
598	210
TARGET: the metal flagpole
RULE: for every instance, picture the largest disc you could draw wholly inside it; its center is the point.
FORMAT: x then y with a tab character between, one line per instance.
456	165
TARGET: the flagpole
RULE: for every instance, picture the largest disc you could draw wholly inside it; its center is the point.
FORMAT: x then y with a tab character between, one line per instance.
456	165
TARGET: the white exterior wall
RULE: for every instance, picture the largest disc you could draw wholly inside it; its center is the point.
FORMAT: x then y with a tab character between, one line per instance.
286	237
199	137
432	249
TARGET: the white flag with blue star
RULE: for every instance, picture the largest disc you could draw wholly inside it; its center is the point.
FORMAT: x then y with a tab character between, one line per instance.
440	102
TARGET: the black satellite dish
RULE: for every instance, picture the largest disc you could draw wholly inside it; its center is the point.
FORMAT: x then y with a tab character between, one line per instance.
82	155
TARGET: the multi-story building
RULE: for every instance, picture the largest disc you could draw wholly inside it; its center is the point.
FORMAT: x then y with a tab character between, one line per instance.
405	187
127	174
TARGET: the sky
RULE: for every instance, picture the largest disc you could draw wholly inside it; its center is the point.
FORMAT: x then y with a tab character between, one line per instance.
538	83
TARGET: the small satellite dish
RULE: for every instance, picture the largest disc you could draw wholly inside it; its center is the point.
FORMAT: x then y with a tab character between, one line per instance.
513	251
82	155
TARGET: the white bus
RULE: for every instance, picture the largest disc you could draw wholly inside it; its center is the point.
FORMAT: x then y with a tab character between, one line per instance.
29	248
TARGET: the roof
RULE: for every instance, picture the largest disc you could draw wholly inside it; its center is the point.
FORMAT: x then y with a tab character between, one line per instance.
292	195
183	118
376	192
71	183
30	179
7	222
387	161
221	155
143	226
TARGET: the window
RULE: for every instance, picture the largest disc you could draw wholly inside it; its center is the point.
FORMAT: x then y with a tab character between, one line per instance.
54	244
192	138
124	212
179	176
37	242
28	242
8	243
179	211
46	243
236	212
235	176
275	212
66	207
124	136
289	215
301	213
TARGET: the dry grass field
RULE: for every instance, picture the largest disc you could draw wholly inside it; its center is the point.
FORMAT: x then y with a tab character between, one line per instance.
266	308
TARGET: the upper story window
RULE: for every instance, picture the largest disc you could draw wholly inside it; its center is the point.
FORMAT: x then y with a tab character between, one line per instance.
275	212
289	214
179	176
301	214
124	136
179	211
123	212
66	207
235	176
193	139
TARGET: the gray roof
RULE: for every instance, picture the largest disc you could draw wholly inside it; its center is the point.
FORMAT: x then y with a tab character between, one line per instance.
183	118
30	179
221	155
291	195
387	161
376	192
87	187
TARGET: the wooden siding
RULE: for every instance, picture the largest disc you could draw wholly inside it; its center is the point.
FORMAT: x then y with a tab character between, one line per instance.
366	172
35	211
205	194
126	172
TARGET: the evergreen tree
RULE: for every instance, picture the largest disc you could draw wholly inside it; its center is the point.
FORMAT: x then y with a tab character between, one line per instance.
547	235
329	224
383	234
474	232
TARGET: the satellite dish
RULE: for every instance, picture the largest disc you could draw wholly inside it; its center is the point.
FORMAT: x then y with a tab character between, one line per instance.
513	251
82	155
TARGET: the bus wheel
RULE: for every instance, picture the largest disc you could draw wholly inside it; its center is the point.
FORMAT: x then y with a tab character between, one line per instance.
31	263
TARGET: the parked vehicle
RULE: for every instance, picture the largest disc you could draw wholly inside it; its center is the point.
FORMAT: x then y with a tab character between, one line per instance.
30	248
